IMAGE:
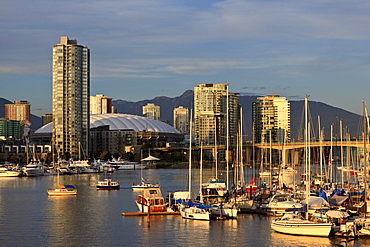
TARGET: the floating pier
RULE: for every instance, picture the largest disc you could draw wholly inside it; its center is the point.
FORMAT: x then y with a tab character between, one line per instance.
151	213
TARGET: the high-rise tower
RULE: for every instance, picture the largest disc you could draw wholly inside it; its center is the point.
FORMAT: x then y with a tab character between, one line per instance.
271	114
208	117
152	111
100	104
20	110
181	119
71	95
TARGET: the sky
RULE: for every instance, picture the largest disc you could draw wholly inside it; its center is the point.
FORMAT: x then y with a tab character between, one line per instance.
147	48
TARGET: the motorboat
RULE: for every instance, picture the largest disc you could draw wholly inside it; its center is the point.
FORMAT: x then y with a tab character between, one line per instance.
107	184
281	202
142	185
213	192
292	223
192	211
119	164
34	169
151	200
224	210
7	172
63	190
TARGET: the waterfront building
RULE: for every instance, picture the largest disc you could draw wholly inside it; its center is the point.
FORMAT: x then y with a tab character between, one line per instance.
208	118
10	129
47	118
117	133
152	111
181	119
100	104
20	110
229	106
71	96
271	114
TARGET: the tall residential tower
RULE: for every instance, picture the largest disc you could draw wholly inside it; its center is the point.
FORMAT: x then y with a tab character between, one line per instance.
271	114
152	111
71	95
212	103
181	119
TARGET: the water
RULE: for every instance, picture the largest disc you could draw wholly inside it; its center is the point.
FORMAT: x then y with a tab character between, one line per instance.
29	217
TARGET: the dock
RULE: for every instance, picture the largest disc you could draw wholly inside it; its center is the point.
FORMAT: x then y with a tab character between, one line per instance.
151	213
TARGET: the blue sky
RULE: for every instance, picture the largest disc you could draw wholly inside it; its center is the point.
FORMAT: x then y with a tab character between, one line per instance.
146	48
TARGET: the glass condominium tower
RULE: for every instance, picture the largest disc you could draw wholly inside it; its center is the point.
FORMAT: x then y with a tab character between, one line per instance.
71	98
207	111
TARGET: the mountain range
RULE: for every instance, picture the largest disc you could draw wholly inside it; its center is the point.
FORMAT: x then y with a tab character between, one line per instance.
329	115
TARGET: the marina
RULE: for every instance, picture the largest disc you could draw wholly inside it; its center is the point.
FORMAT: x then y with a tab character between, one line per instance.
46	220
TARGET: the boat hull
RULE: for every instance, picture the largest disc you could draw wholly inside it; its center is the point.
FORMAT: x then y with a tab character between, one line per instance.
305	228
61	192
108	187
194	213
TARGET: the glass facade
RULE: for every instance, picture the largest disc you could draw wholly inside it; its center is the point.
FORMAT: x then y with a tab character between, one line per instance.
71	98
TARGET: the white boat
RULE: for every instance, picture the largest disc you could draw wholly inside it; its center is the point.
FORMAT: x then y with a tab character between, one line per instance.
108	184
34	169
119	164
224	210
151	198
144	185
6	172
281	202
294	224
195	213
213	192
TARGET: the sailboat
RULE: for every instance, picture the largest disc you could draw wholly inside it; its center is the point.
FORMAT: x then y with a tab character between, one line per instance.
292	223
144	182
189	210
61	190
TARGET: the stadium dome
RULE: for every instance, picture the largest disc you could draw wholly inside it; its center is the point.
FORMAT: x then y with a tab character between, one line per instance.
122	122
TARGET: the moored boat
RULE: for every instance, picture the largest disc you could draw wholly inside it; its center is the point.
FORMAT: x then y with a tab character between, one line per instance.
294	224
151	200
107	184
6	172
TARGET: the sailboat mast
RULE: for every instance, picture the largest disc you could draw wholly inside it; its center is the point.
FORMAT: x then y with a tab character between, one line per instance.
365	149
201	172
307	155
190	147
227	138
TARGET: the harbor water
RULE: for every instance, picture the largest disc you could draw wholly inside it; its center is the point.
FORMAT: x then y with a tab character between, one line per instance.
29	217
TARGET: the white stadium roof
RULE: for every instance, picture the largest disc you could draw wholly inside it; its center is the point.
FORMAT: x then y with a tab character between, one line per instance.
122	122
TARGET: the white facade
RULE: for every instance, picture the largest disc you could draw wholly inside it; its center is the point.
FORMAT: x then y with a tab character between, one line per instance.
271	114
181	119
152	111
100	104
207	109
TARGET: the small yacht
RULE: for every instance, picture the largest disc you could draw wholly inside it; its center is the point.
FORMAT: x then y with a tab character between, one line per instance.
7	172
107	184
34	169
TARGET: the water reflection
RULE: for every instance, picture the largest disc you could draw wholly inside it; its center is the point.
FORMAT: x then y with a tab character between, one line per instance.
29	217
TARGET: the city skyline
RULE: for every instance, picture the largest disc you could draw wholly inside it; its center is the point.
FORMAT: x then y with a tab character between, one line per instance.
144	49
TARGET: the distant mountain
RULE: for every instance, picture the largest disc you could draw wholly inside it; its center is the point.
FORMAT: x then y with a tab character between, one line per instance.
36	122
329	115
